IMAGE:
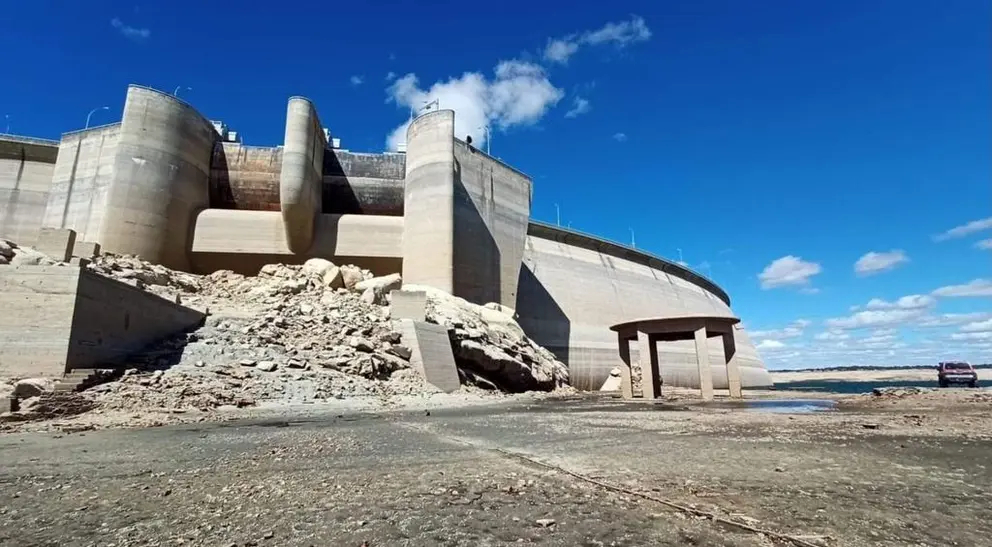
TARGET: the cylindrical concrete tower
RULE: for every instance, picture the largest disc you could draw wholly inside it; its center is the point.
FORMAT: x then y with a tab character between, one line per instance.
161	173
302	170
428	218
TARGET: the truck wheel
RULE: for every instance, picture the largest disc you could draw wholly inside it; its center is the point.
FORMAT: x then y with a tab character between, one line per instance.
973	383
943	383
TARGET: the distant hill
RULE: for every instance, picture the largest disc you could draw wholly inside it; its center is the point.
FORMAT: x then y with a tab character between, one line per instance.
866	368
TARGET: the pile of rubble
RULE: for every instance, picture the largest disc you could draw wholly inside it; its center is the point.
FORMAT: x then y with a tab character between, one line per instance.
296	334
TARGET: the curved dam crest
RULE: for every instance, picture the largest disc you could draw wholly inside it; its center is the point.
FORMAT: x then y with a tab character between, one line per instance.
171	186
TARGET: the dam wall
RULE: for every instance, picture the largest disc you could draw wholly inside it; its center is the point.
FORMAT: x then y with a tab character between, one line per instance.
428	197
26	168
356	183
81	182
301	173
244	241
571	293
161	178
491	211
245	177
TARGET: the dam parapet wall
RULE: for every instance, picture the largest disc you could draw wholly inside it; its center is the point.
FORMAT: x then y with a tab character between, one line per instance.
26	168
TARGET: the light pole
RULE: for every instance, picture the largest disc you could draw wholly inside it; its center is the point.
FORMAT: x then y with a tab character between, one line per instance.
7	117
680	256
557	215
178	87
489	138
88	116
632	244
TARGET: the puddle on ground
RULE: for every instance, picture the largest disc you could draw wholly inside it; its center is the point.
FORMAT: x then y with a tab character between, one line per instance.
791	406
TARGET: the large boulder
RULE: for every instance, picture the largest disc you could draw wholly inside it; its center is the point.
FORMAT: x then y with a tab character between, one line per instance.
328	273
7	249
489	345
32	387
351	276
26	256
374	290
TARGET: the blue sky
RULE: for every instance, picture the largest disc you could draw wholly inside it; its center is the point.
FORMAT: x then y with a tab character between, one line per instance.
775	143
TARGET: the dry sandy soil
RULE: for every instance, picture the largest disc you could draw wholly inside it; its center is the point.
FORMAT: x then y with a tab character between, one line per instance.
909	469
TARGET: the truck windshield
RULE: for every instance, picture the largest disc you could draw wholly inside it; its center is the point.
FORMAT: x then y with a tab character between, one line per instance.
957	366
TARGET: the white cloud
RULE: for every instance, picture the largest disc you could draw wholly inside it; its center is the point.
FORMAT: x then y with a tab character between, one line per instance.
390	76
579	106
975	287
559	50
520	94
883	332
128	31
832	335
878	339
985	244
619	34
620	137
357	80
875	318
872	263
788	270
911	302
793	330
965	229
770	344
977	326
953	319
972	335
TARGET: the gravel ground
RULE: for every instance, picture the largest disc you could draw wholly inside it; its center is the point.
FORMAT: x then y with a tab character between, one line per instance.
898	470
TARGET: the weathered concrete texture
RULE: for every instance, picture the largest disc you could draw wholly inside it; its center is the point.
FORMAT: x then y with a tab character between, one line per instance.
570	295
58	243
301	173
431	353
491	210
57	318
245	177
35	326
261	232
113	320
357	183
428	220
86	249
81	182
408	305
26	167
161	178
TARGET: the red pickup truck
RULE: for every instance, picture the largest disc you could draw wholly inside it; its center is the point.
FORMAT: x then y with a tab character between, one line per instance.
956	373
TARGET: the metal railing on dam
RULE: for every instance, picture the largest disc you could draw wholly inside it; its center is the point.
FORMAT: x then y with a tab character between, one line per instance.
591	242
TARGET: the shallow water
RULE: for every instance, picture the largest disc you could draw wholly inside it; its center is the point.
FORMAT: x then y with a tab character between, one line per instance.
791	406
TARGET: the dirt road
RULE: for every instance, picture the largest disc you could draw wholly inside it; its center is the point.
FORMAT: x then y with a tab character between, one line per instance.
876	473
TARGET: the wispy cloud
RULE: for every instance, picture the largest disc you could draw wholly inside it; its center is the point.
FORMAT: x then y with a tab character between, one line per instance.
985	244
788	270
873	263
965	229
975	287
390	76
579	106
134	33
620	137
357	80
620	34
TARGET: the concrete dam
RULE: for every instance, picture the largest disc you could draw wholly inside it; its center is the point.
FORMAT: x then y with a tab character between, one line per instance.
168	185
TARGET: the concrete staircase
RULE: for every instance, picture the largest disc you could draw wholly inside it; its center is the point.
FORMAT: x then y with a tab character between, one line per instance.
80	379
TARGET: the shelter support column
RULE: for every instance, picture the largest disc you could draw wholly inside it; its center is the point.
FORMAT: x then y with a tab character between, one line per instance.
733	367
703	364
648	349
626	382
